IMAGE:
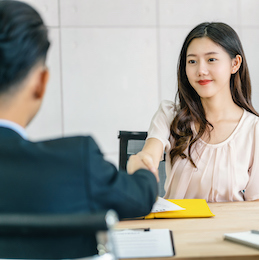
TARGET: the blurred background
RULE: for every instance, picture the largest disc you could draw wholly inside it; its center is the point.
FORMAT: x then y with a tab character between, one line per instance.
112	61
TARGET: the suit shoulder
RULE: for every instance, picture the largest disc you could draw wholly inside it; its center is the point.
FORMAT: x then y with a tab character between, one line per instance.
69	139
70	142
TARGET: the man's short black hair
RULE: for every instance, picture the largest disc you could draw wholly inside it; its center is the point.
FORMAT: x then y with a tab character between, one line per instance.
23	42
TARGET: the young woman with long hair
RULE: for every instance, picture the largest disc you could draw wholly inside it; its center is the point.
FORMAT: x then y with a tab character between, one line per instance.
211	132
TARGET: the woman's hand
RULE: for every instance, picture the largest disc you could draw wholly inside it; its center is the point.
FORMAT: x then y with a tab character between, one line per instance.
142	160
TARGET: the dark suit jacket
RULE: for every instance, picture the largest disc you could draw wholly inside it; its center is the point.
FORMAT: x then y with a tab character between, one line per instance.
68	175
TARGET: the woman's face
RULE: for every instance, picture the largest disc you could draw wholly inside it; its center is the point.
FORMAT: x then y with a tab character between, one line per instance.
209	68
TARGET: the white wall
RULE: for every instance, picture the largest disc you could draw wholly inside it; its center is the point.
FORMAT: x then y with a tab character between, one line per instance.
113	61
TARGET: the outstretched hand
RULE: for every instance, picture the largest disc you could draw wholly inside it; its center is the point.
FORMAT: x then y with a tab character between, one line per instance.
142	160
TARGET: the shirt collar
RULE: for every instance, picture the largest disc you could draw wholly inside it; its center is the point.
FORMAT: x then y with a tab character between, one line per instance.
15	127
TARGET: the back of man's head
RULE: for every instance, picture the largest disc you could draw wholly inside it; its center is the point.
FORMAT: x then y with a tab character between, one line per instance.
23	42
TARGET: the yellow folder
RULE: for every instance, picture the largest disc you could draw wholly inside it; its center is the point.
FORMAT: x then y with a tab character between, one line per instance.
194	208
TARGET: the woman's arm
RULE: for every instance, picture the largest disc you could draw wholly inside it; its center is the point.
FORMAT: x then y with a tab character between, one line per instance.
158	138
152	152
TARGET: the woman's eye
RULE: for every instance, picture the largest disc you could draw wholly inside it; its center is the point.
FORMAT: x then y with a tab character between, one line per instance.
212	59
191	61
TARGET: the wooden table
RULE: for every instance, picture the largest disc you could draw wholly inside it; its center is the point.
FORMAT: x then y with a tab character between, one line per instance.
202	238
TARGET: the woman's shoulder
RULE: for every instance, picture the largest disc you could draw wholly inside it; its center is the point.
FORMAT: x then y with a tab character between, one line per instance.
249	122
167	109
167	106
250	117
165	113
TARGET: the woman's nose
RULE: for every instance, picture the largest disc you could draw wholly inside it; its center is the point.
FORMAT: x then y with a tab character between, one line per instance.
202	69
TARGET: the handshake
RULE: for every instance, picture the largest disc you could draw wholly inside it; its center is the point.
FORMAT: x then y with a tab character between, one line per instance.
142	160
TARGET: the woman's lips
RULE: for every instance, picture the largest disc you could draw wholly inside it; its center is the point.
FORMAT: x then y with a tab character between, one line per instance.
204	82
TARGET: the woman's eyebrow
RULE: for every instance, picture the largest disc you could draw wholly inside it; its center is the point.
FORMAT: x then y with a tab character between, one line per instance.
208	53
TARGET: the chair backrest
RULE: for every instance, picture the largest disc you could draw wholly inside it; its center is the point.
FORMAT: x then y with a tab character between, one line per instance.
52	236
133	142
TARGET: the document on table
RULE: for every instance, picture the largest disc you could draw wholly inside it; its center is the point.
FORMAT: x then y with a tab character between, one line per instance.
143	243
194	208
162	205
247	238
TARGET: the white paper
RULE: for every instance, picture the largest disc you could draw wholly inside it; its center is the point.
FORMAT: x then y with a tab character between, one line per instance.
162	205
137	244
247	238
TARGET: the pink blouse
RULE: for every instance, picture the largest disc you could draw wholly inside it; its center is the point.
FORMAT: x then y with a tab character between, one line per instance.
228	171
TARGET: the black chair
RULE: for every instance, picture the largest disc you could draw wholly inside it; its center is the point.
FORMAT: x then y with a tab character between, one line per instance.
131	143
37	236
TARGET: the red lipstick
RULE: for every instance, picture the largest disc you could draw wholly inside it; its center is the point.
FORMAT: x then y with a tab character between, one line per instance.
204	82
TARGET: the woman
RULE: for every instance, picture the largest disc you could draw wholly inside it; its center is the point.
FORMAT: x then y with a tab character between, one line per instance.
211	133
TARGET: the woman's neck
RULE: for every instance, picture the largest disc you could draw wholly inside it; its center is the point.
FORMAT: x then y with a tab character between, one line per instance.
224	116
218	109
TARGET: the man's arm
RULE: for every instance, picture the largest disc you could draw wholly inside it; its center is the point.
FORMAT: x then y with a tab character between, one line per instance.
130	195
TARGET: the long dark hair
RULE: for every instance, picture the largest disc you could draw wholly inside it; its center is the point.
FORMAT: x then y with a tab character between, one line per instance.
189	108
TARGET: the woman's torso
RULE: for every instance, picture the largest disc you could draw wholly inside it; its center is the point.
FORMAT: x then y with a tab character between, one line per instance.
223	170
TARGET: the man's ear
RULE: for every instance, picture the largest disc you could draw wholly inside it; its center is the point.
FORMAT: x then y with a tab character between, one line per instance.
42	84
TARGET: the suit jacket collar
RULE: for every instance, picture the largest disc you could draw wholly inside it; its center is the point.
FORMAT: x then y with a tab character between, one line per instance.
15	127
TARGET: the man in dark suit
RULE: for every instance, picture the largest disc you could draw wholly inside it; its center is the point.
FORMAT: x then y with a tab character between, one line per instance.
66	175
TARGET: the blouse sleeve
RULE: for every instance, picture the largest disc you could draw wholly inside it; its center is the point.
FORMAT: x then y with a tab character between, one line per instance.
160	124
252	188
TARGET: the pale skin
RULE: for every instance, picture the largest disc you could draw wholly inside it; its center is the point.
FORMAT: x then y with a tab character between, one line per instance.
21	104
208	68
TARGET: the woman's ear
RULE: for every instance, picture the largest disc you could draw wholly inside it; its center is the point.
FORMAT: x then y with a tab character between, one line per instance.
42	84
236	63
